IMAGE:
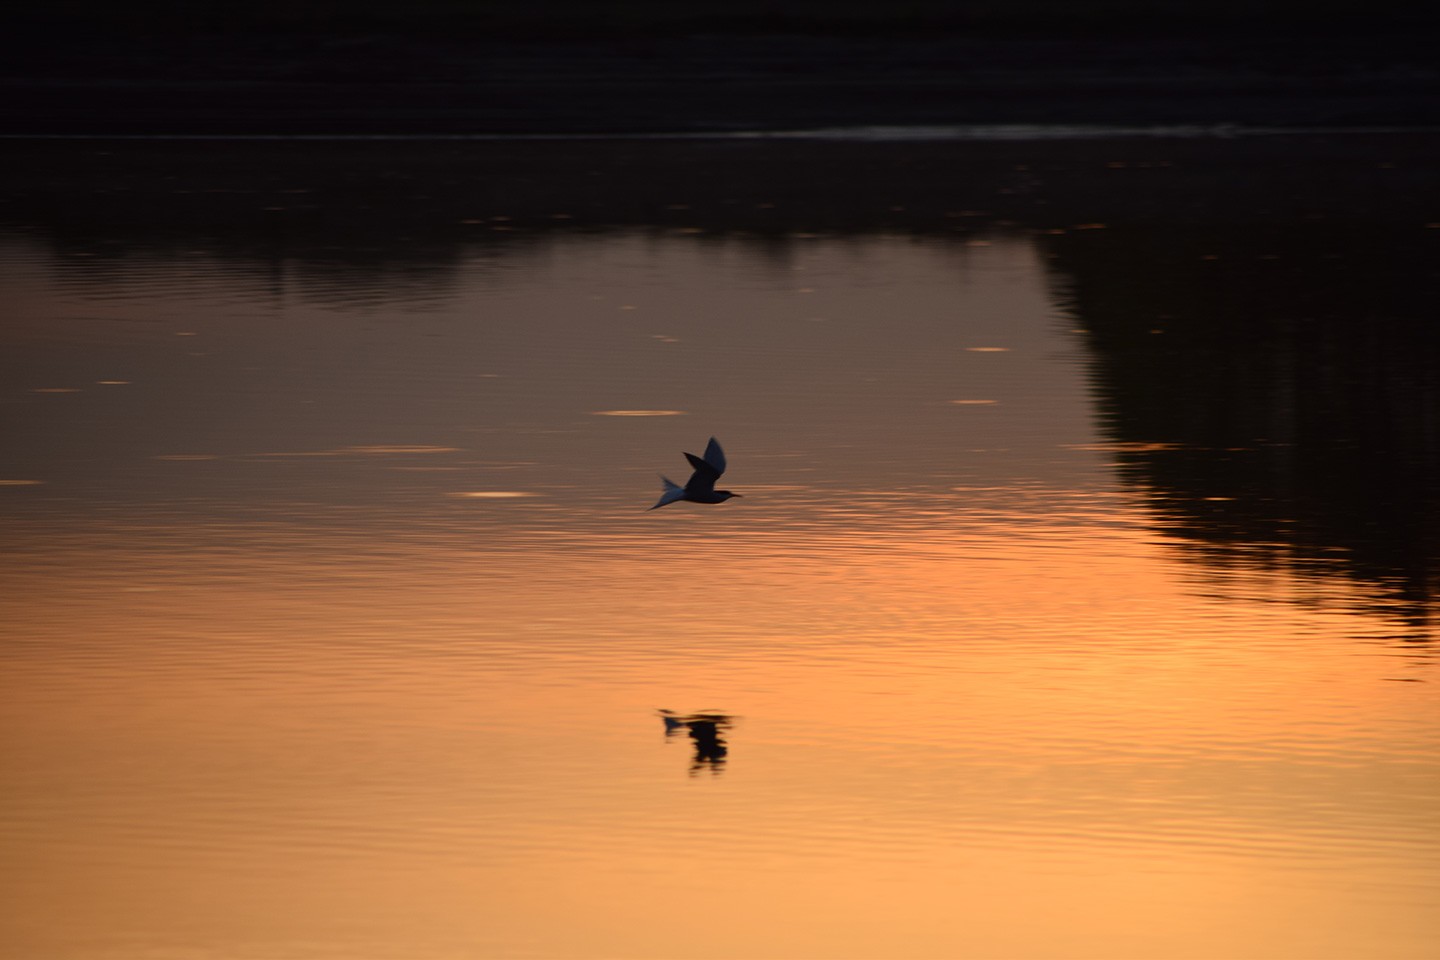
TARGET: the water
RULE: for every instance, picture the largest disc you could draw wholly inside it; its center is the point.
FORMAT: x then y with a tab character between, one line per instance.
1079	602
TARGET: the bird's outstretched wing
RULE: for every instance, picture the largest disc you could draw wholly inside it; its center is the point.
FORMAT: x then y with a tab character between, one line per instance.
702	481
707	470
715	456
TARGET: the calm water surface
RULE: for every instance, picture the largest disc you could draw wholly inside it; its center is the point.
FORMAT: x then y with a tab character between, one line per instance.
337	625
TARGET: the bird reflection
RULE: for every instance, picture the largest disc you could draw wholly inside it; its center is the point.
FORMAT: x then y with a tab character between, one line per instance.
704	730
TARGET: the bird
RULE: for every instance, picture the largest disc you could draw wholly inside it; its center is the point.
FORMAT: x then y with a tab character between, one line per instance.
700	488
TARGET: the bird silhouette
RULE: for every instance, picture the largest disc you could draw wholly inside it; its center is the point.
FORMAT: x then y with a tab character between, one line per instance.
700	488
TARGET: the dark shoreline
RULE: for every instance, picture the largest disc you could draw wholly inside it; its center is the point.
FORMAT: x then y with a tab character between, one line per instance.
324	192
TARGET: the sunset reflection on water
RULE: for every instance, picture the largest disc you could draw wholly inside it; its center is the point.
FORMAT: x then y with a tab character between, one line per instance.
342	628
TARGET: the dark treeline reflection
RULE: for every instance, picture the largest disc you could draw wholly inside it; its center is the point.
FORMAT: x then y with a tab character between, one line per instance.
1272	391
1260	311
416	210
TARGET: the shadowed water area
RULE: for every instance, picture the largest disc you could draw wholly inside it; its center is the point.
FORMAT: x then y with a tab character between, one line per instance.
1080	601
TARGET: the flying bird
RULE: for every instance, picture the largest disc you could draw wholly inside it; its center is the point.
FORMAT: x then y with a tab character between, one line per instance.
700	488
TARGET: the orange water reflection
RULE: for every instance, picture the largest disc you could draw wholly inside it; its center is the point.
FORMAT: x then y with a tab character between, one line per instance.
951	743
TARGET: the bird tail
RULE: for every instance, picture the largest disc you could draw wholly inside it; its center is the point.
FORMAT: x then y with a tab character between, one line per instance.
673	492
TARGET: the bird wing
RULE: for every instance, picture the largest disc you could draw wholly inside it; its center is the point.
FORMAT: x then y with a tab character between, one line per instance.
702	481
715	456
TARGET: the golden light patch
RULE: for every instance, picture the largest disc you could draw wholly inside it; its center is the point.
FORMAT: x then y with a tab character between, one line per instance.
974	403
20	483
637	413
987	349
280	455
381	449
375	450
492	494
